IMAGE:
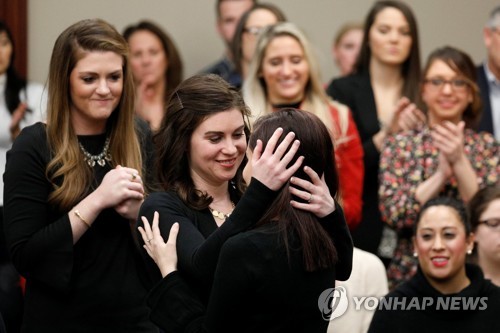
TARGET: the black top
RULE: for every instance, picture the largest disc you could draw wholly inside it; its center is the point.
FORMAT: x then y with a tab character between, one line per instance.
474	309
199	240
486	121
92	286
256	287
356	92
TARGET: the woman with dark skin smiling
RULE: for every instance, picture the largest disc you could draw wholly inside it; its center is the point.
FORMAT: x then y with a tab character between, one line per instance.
447	294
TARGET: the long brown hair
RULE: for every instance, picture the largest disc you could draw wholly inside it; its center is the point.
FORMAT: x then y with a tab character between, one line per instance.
317	147
410	69
68	172
195	99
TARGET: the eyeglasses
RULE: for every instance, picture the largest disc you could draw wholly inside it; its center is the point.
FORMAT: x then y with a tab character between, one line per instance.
457	84
492	223
254	30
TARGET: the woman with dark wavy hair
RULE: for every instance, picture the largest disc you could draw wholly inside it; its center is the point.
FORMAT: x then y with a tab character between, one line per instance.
268	278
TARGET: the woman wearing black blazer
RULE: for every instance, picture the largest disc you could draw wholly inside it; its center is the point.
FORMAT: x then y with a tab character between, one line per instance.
387	69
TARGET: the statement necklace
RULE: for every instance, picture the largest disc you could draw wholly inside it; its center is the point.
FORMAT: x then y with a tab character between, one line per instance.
218	214
100	159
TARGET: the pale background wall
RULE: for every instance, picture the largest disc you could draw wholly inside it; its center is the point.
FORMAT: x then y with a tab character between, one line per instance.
191	23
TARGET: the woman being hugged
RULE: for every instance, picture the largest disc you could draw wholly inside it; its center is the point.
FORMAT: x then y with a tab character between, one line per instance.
73	187
201	149
285	73
274	274
444	158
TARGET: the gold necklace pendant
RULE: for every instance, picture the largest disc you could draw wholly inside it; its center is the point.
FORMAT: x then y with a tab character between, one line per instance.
218	214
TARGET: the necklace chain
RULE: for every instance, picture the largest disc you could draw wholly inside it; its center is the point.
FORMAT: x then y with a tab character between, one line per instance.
100	159
218	214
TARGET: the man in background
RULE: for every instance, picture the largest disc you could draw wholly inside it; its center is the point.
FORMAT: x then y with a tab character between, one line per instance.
488	76
228	16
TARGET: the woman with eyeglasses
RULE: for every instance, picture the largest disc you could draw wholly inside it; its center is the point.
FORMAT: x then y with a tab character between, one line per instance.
251	24
443	158
484	212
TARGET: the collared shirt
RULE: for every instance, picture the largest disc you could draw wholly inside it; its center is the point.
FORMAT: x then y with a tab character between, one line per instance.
494	87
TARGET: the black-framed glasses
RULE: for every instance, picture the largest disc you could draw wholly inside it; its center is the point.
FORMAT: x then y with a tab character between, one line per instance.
492	223
254	30
456	84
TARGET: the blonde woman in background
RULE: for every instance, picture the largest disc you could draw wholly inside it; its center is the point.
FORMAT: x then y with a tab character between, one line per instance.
285	73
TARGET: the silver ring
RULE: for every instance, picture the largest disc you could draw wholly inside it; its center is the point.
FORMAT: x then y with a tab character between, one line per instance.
310	198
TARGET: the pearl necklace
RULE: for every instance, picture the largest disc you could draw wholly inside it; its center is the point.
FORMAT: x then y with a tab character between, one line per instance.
220	215
100	159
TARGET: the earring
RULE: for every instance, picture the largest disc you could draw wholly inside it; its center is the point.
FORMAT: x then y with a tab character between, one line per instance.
469	251
415	254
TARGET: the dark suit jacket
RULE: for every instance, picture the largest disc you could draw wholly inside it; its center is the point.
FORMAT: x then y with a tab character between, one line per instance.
486	122
356	92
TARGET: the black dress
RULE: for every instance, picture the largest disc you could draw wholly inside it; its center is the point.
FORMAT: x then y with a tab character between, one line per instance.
257	287
92	286
199	240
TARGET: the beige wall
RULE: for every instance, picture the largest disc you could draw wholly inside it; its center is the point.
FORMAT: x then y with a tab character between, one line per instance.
191	23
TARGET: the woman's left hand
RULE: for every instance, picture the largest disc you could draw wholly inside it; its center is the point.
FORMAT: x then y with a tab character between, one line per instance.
164	254
316	194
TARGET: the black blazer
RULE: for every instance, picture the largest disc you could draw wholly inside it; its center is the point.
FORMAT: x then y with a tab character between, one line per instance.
486	122
356	92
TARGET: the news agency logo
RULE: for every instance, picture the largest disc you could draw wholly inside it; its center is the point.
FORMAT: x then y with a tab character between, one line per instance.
334	302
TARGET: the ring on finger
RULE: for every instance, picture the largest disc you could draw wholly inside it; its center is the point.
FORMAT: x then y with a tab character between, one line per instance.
310	198
134	176
149	240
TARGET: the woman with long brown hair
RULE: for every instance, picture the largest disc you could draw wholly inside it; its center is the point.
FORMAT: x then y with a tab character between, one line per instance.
73	187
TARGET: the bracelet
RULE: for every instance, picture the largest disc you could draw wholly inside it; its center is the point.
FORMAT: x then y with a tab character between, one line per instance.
77	214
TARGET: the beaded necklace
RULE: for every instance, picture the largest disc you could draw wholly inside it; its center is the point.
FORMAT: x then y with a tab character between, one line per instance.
100	159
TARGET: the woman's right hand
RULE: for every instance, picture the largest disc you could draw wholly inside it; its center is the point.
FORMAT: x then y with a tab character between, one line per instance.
163	254
118	185
270	166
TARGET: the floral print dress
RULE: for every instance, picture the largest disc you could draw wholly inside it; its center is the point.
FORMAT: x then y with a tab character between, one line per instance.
409	158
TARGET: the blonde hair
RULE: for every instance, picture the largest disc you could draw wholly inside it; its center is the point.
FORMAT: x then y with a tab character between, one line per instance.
67	171
316	100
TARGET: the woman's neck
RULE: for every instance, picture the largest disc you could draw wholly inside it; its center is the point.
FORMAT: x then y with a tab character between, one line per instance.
384	75
219	192
491	269
451	285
